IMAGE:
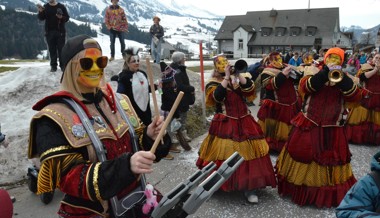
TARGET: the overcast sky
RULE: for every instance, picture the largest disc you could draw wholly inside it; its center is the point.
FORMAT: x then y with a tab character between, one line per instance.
364	13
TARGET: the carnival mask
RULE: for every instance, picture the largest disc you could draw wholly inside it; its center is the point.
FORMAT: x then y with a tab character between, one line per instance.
333	59
220	63
92	66
276	61
308	60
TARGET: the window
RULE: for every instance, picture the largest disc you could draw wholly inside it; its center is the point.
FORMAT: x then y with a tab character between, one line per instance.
295	31
266	31
310	30
240	45
280	31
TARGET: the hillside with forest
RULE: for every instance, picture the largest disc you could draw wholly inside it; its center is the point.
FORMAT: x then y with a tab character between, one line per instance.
22	34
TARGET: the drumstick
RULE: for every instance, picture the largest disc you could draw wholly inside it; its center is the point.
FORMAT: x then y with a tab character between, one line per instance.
152	89
167	121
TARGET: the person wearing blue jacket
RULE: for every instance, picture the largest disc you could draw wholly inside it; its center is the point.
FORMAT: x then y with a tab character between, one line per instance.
363	199
296	60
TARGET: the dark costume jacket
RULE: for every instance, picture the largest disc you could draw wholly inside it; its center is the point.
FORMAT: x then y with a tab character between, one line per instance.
68	158
50	15
371	85
125	87
280	95
183	84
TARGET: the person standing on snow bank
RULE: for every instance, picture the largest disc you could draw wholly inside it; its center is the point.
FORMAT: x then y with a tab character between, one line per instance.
55	16
69	160
156	32
117	23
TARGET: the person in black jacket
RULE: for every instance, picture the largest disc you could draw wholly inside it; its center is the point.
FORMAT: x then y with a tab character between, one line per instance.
133	82
183	84
55	16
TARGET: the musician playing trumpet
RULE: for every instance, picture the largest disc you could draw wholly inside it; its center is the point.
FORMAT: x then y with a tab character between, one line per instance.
314	166
280	101
363	124
234	129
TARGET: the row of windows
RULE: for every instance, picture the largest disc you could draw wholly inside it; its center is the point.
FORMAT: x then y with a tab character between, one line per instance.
293	31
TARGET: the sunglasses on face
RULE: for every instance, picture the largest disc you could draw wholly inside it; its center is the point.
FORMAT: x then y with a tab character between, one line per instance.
134	61
87	63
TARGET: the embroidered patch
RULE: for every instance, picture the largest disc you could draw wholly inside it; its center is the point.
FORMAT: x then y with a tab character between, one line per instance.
125	105
134	121
78	128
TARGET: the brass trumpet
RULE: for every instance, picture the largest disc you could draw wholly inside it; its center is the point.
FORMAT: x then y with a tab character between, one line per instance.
240	66
336	74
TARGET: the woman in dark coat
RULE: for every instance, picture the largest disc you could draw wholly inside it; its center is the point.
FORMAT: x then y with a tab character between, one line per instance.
133	82
183	84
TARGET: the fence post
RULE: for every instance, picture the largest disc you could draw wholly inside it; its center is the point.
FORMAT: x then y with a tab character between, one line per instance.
202	82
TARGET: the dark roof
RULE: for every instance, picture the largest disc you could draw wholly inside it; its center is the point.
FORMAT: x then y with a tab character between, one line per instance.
325	19
247	28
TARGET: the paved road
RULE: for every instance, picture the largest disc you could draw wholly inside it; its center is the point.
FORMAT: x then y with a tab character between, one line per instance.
167	174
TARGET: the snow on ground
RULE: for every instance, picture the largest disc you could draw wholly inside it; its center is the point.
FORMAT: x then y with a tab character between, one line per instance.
22	88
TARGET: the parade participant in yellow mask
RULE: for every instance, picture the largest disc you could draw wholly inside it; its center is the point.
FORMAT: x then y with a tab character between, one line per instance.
317	144
220	63
67	152
279	104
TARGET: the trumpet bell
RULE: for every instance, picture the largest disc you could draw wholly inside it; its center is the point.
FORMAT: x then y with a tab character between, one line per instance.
240	66
335	75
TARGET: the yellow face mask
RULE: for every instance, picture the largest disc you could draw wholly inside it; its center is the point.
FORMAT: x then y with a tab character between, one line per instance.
308	59
277	62
220	63
333	59
92	66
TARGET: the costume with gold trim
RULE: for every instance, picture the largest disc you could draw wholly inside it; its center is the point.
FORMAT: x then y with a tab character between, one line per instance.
234	129
363	123
314	165
280	104
68	158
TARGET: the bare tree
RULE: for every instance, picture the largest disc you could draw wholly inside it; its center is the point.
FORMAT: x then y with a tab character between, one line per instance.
365	38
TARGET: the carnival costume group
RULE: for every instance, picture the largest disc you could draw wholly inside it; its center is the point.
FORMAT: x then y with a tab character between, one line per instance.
301	119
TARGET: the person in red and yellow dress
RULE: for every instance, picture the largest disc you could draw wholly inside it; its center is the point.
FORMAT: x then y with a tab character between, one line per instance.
232	129
363	123
314	165
280	103
66	152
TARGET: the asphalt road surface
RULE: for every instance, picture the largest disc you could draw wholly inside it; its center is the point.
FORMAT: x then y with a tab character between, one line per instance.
168	173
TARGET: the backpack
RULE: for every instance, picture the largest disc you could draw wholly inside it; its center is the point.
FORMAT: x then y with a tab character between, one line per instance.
253	69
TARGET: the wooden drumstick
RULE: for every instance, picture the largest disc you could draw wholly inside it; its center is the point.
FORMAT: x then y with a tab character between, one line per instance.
167	121
152	89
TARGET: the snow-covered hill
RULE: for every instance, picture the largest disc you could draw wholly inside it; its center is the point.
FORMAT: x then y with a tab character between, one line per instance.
183	24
